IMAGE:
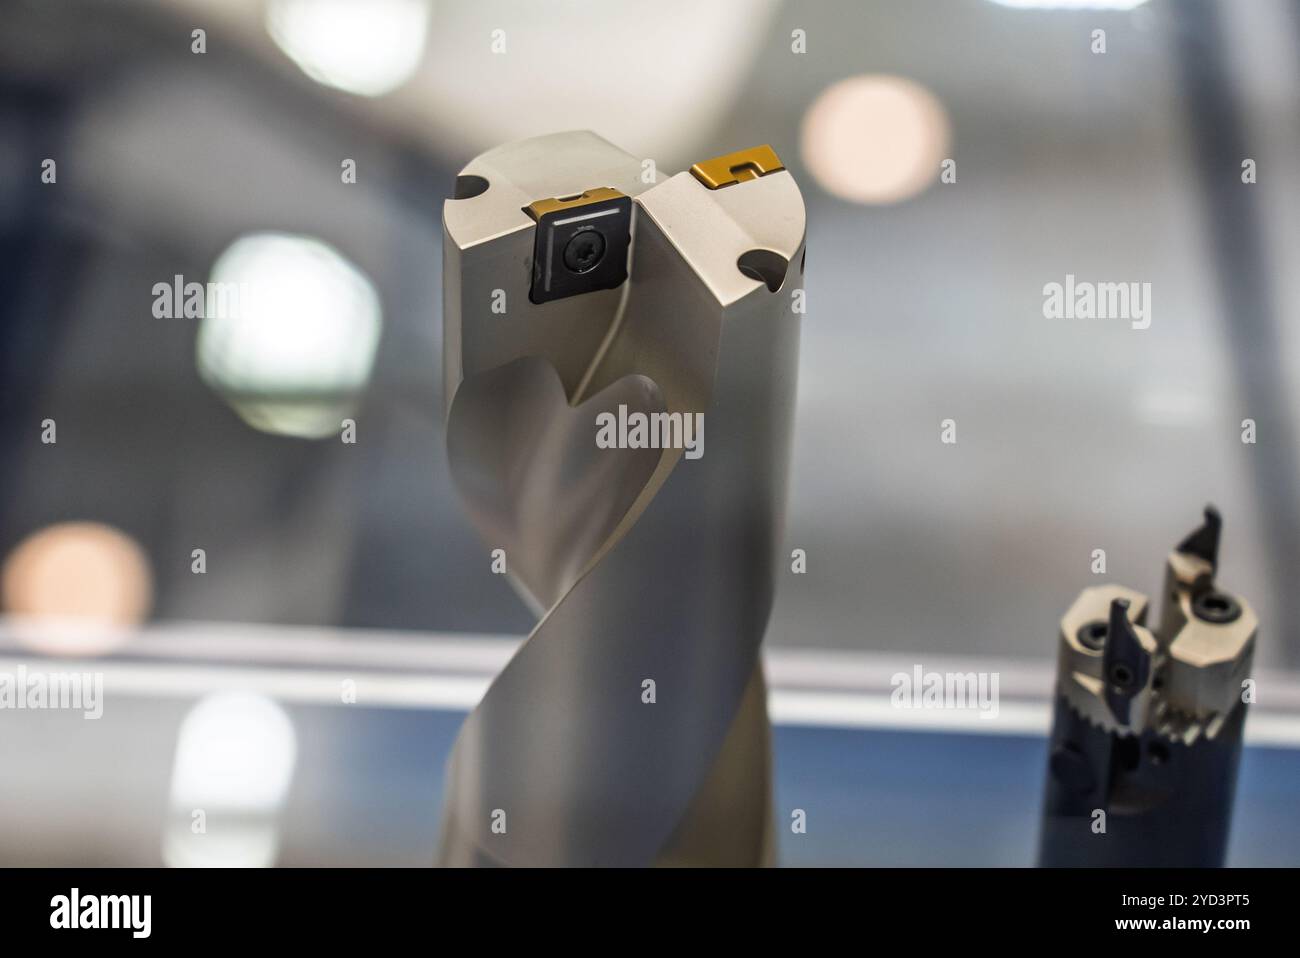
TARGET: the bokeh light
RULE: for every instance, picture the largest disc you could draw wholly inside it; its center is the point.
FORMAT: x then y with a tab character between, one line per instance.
368	48
76	588
289	334
235	758
875	139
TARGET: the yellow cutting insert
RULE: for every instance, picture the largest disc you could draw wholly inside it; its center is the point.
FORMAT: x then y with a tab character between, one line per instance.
737	167
540	208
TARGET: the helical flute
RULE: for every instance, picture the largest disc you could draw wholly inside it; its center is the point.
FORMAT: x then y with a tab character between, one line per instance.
619	363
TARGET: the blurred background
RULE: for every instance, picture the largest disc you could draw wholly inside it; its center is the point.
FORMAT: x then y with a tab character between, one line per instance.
177	510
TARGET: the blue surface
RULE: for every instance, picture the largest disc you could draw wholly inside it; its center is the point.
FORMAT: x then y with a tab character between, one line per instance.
371	779
878	797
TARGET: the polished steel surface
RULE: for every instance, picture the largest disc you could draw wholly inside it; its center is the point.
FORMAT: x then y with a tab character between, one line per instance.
643	564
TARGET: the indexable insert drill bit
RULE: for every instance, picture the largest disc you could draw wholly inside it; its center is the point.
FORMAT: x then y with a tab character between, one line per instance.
597	318
1148	722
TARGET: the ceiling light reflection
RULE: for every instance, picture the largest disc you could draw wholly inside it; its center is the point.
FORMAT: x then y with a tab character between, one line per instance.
366	48
289	333
235	758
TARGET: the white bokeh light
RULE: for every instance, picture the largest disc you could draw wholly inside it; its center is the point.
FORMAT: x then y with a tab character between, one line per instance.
235	758
369	48
289	333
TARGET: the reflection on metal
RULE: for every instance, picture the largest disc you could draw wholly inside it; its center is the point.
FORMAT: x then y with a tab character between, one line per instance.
631	727
235	758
